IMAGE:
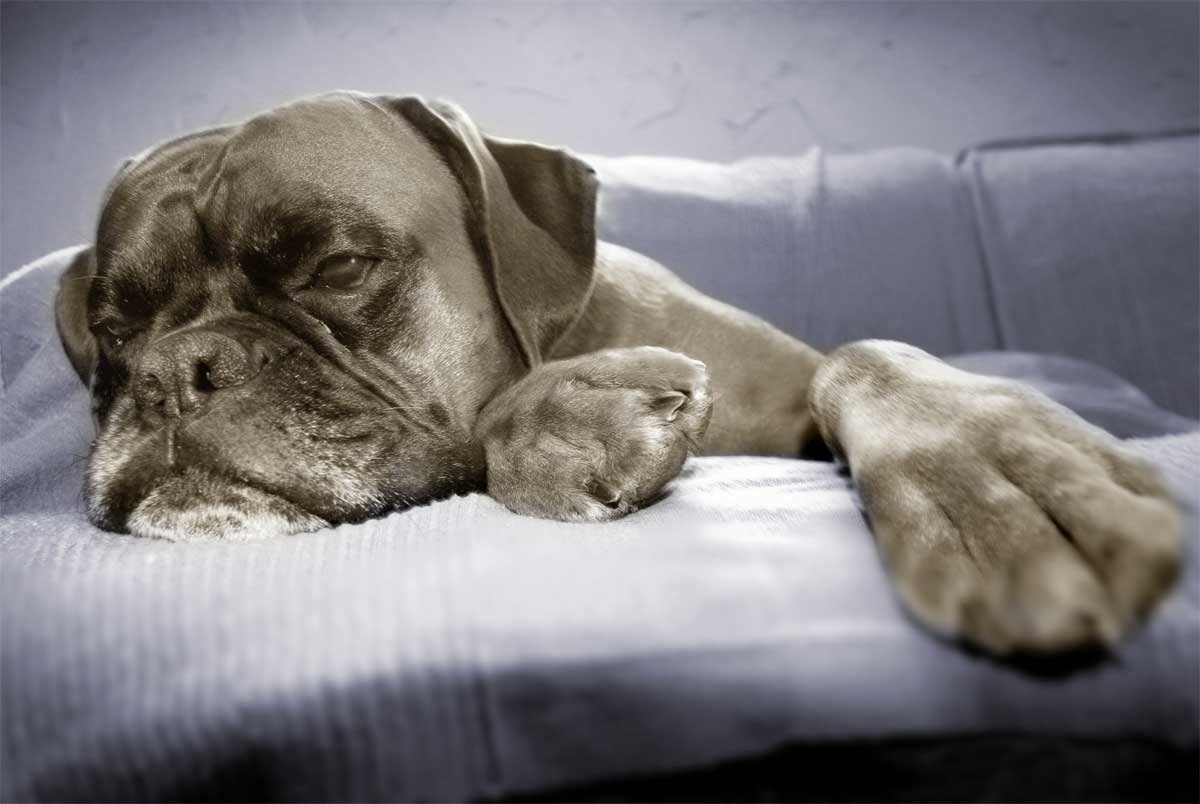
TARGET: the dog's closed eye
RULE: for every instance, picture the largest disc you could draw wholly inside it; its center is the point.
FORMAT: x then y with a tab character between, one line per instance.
344	271
114	335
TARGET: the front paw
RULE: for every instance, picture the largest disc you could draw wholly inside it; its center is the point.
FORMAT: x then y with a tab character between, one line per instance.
1006	520
597	436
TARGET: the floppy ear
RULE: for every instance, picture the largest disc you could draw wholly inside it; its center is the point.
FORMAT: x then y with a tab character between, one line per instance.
70	314
533	216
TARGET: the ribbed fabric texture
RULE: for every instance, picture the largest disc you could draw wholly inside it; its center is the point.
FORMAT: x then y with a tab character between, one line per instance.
459	651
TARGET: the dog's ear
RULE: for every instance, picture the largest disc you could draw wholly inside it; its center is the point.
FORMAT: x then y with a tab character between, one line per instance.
533	215
70	314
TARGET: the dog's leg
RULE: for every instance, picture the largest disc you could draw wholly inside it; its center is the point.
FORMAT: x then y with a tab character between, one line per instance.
1001	516
596	436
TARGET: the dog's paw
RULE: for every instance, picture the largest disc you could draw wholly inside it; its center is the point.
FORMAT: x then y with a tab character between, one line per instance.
594	437
1006	520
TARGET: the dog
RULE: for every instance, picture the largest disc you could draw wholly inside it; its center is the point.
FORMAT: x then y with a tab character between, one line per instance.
352	304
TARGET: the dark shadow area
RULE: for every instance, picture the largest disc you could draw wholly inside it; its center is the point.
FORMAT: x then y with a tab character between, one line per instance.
994	768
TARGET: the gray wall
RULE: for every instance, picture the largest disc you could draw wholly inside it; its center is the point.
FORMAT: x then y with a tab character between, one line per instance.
86	84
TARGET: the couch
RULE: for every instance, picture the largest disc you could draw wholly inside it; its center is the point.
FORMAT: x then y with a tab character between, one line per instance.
738	639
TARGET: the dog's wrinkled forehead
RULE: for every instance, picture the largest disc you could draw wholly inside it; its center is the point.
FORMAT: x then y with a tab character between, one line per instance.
314	168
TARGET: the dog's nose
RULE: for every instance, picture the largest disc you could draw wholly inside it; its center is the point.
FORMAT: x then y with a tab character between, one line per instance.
178	373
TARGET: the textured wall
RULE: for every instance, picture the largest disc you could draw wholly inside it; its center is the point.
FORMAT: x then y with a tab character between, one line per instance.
86	84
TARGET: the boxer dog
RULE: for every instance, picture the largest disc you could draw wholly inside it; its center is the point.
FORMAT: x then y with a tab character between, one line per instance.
353	304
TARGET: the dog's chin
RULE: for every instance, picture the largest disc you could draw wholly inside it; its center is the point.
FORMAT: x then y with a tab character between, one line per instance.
202	502
241	473
197	505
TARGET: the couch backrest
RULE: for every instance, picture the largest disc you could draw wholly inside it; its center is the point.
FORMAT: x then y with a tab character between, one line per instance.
1086	250
828	248
1093	250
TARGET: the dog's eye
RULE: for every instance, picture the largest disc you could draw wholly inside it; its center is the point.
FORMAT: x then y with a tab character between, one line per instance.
343	272
114	336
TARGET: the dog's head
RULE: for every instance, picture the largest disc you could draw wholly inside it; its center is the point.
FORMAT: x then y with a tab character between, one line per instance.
295	321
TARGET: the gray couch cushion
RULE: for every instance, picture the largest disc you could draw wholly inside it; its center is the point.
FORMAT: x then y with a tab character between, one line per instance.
828	248
1084	250
1091	251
